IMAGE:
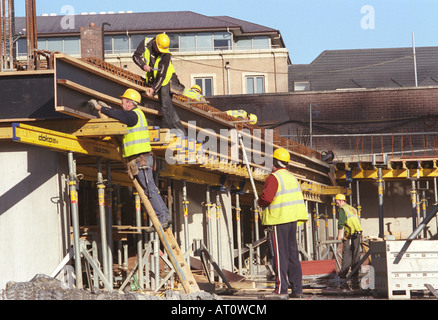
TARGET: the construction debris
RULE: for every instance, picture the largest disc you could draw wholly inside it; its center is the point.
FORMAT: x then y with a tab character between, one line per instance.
43	287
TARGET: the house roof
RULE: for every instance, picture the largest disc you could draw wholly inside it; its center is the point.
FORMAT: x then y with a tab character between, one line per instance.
142	21
368	68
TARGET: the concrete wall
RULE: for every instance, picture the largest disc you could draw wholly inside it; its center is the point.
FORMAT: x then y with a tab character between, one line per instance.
34	221
197	229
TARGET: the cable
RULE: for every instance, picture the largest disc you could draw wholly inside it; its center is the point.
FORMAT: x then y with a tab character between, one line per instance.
304	73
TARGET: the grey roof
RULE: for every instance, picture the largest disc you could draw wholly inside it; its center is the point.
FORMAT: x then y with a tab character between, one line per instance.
368	68
142	21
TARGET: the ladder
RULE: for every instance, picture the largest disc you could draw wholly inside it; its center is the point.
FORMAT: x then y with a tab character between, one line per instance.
66	142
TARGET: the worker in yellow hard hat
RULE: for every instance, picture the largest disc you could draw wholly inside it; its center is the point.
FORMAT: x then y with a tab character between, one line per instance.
137	148
350	232
243	115
252	118
153	56
283	211
194	93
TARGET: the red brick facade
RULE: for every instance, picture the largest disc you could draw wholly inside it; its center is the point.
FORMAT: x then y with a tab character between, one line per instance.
401	119
91	42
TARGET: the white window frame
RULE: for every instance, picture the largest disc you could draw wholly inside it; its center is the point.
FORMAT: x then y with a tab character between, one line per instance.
245	75
302	83
204	75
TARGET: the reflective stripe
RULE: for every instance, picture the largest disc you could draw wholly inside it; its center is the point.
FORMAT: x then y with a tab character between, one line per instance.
286	204
136	140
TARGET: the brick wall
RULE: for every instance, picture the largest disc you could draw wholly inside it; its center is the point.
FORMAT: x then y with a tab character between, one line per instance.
401	118
91	42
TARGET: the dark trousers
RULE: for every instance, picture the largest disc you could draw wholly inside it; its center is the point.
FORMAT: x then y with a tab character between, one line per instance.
146	180
350	256
285	258
170	115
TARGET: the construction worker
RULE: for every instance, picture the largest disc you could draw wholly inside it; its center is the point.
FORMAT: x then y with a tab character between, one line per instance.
153	57
283	211
137	149
243	115
194	93
349	231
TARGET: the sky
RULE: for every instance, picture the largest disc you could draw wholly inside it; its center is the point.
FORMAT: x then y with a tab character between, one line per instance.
308	27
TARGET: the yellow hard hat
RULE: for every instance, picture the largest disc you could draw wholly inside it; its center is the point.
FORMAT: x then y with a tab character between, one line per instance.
133	95
163	42
340	196
281	154
252	118
197	88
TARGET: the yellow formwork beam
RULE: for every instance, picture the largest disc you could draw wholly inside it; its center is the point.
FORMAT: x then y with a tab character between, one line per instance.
63	142
388	174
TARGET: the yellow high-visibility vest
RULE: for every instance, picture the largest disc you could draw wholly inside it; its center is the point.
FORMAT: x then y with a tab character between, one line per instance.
288	204
192	94
136	141
352	223
147	57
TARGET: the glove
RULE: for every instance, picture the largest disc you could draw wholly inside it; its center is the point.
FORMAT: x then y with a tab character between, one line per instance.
103	104
92	103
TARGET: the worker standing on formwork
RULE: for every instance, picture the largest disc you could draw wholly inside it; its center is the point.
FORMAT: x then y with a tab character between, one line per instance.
137	149
153	57
194	93
283	211
350	232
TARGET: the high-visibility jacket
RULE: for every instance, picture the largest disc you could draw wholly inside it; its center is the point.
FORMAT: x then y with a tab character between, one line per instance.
288	204
237	113
192	94
136	141
352	223
153	73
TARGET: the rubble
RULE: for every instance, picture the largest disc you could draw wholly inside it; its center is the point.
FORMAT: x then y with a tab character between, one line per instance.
43	287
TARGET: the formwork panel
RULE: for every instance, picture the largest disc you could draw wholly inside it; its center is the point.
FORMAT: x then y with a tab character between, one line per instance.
402	267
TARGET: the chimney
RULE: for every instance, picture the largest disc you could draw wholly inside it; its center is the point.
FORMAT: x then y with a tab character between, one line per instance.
91	42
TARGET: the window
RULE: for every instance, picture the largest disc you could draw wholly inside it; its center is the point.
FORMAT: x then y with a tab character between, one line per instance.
187	42
21	47
72	46
255	84
222	41
136	39
243	44
301	86
206	85
120	44
253	43
68	45
260	43
204	42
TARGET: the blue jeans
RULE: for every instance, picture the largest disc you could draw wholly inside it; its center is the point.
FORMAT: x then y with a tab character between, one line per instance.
146	180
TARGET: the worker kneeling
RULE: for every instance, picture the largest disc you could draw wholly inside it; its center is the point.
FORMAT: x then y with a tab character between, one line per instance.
137	149
194	93
283	211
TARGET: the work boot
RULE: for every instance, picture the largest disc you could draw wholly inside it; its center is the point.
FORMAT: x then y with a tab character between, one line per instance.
296	296
167	224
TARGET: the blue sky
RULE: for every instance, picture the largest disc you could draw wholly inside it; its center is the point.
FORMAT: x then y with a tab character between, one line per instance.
307	27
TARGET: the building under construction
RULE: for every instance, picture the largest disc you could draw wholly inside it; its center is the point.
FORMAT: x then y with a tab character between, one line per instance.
69	210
